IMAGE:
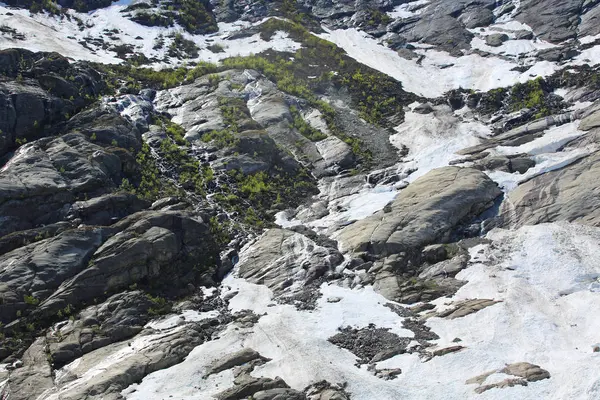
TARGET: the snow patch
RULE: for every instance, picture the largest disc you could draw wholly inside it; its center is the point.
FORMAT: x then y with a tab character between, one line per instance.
544	275
469	72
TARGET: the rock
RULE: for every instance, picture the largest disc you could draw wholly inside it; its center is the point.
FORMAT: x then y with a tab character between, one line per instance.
155	351
282	257
23	238
591	119
388	374
423	108
466	307
568	194
38	269
120	317
523	35
150	244
370	344
436	29
588	25
324	390
526	370
422	213
501	385
233	360
435	253
496	39
44	177
335	152
510	164
107	127
522	134
249	385
36	106
552	20
264	150
446	268
447	350
107	209
279	394
557	54
475	17
425	212
35	375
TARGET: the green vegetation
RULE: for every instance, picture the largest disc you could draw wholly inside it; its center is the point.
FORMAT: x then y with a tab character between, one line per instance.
45	5
253	195
175	131
65	312
138	77
530	95
151	185
181	47
233	110
377	18
304	127
160	305
30	300
194	16
534	95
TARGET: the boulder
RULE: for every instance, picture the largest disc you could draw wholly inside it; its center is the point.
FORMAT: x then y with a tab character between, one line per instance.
233	360
591	118
335	152
496	39
246	386
279	394
282	257
423	213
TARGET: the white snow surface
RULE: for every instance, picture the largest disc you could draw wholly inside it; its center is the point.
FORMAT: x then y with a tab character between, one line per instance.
44	32
469	72
546	277
433	139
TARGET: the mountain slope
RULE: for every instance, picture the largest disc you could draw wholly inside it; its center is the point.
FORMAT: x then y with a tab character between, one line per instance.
299	199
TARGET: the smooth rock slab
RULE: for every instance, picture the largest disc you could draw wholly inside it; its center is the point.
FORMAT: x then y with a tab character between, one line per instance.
568	194
423	213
